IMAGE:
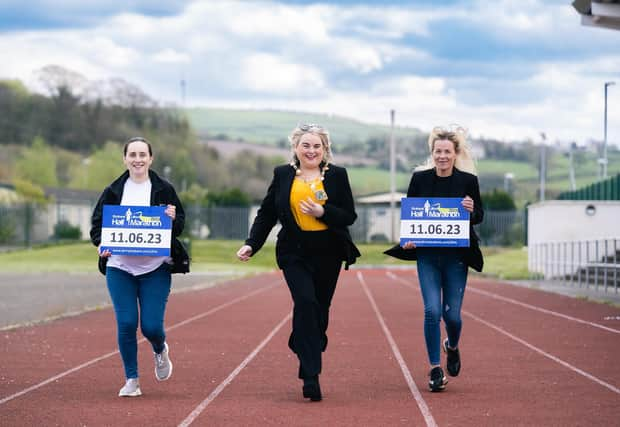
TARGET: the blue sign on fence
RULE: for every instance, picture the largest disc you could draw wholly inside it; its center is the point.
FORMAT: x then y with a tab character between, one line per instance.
441	222
136	230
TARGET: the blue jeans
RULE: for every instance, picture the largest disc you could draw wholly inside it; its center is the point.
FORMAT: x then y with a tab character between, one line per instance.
443	275
149	292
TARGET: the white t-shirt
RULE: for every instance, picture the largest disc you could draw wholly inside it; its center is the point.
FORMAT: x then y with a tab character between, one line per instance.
137	194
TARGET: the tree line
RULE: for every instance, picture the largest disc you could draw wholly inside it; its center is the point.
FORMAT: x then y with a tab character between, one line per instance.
71	134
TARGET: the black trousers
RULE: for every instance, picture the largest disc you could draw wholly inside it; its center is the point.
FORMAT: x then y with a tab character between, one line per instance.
312	282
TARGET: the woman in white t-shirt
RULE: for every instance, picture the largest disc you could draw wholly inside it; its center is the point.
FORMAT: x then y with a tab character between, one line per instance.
139	285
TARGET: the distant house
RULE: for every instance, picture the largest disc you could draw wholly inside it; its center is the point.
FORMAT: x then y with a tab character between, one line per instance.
374	221
72	206
37	226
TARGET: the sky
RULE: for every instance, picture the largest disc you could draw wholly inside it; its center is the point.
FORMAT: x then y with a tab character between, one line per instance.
504	69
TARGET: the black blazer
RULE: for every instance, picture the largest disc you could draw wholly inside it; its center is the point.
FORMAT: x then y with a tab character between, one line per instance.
162	193
339	214
461	184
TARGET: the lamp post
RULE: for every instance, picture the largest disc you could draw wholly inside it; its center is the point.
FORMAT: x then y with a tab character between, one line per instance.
393	236
543	165
603	161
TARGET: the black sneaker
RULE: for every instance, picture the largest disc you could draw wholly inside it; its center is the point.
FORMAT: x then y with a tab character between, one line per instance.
453	364
438	380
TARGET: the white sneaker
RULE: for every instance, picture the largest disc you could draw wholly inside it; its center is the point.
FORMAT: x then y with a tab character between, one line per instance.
131	388
163	365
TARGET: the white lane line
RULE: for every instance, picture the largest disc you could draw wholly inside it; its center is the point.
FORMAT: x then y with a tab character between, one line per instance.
107	355
542	310
203	405
536	349
426	413
544	353
523	304
56	377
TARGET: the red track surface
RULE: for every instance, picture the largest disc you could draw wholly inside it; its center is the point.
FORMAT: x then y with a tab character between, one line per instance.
529	358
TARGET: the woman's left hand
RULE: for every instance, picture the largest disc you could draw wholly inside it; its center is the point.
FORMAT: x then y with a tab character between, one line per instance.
171	211
468	203
312	208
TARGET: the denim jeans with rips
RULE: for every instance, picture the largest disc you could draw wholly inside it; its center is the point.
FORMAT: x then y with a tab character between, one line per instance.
443	276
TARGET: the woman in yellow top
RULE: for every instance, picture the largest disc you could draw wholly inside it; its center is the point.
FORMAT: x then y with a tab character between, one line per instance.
312	199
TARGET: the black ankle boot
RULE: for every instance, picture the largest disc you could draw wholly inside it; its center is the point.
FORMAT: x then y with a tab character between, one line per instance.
312	389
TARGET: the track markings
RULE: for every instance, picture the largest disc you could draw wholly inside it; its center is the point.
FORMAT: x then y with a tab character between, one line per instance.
110	354
534	348
203	405
525	305
542	310
424	409
544	353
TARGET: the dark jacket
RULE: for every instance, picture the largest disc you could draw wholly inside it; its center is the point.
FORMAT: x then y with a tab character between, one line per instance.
461	184
339	214
162	193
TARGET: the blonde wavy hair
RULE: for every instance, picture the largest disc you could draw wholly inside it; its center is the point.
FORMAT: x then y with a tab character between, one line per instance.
458	136
314	129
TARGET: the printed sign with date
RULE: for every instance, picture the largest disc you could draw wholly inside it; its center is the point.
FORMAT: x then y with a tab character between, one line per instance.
136	230
438	222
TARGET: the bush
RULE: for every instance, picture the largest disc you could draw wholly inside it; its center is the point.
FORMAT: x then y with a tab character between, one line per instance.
7	228
64	230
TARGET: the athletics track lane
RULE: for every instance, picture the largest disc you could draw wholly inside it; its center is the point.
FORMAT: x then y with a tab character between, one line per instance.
503	382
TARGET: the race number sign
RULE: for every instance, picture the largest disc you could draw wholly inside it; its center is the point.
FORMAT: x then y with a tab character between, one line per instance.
440	222
136	230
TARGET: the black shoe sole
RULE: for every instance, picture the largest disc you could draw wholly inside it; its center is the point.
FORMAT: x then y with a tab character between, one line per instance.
436	388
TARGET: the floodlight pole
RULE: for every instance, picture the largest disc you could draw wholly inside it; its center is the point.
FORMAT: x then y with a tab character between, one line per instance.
543	166
392	179
603	160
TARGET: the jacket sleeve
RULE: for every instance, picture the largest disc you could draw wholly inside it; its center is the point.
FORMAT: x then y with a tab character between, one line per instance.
266	218
179	221
96	219
411	188
474	192
341	211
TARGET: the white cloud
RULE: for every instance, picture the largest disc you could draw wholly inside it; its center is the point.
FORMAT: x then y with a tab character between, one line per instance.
268	73
358	61
171	56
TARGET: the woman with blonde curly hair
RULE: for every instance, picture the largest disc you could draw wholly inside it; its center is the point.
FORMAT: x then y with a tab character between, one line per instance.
312	199
442	272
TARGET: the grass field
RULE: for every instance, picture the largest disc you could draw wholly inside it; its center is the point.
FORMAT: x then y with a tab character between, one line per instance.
268	127
219	255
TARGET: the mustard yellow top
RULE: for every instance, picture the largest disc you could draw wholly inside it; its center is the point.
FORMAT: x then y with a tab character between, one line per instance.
301	190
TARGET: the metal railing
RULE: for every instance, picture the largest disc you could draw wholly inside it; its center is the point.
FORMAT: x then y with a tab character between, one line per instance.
26	224
591	263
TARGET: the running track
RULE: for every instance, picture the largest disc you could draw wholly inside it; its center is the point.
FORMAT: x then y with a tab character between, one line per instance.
529	358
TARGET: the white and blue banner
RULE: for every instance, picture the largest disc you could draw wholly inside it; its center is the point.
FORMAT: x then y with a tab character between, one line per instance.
136	230
434	222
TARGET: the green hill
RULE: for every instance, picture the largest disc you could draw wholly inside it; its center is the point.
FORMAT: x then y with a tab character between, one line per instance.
269	127
272	127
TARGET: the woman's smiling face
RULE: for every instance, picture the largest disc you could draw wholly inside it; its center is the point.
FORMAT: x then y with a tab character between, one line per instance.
444	156
137	159
309	151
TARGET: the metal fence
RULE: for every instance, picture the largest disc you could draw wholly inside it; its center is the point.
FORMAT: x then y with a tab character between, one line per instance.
26	224
604	190
22	225
590	263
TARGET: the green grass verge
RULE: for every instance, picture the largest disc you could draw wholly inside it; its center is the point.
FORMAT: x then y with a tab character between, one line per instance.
219	255
505	263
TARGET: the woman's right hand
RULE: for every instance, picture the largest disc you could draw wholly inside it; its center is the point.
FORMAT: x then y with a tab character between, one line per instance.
104	254
244	253
409	245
